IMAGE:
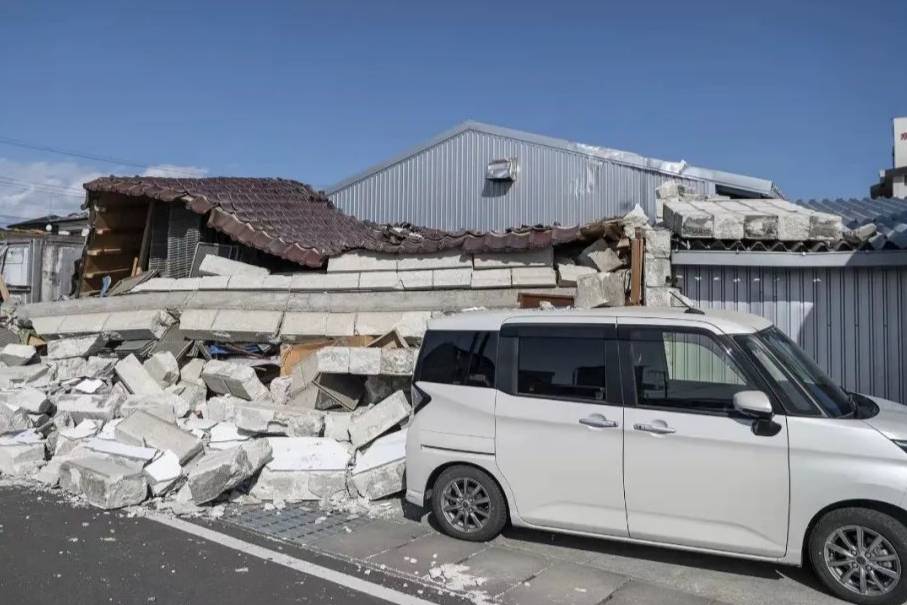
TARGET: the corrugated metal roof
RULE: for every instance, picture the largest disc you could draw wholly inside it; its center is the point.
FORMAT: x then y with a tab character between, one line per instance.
889	215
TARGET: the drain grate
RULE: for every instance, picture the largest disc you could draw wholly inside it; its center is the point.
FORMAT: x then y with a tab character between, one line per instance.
295	523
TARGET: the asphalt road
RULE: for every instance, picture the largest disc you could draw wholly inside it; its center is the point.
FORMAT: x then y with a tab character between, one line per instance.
52	552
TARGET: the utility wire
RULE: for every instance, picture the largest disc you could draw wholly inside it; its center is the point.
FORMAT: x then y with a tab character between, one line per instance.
41	187
84	155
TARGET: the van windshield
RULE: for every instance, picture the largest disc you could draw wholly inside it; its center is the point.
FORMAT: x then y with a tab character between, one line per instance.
772	345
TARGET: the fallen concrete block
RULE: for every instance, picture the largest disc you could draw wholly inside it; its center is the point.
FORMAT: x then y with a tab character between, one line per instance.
280	389
225	435
600	256
49	474
658	243
90	386
78	367
337	425
303	468
244	326
163	368
166	406
542	257
601	290
220	471
657	271
105	482
365	361
79	346
326	360
491	278
218	265
17	355
366	427
21	454
533	277
398	362
13	418
137	325
223	408
568	274
144	429
29	399
234	379
83	406
310	397
139	382
193	394
192	371
378	471
410	324
69	438
36	375
255	417
163	473
117	449
661	297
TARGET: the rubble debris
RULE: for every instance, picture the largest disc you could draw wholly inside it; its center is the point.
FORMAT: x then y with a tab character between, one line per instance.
167	406
83	406
601	290
79	346
223	470
35	375
21	454
17	355
234	379
398	362
30	399
90	386
105	482
303	468
568	274
139	382
345	390
163	368
163	473
337	426
218	265
378	471
146	429
225	435
599	255
366	427
117	449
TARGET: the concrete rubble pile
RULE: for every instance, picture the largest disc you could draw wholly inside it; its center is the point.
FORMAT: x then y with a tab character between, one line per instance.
185	432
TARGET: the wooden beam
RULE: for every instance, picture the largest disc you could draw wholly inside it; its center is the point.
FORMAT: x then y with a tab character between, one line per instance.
637	256
145	248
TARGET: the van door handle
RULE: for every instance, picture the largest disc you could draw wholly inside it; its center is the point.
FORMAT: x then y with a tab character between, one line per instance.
654	428
598	421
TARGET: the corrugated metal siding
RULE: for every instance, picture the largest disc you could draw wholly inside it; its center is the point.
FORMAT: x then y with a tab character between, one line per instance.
445	187
852	321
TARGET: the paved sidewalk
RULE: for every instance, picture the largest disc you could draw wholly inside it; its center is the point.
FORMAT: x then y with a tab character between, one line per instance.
529	567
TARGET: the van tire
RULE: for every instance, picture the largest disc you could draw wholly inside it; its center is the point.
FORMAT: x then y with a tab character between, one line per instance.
487	505
891	530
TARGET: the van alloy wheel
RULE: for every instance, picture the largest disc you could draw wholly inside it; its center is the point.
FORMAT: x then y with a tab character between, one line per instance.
465	504
862	560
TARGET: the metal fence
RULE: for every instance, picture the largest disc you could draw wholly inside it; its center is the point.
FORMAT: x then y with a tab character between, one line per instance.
851	320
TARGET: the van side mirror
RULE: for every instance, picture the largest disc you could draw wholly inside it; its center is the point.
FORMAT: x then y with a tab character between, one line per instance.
753	403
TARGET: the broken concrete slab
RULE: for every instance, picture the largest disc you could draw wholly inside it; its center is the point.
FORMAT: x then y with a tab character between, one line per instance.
366	427
220	471
378	471
337	425
568	274
13	418
116	449
398	362
346	390
68	438
79	346
244	326
218	265
139	382
304	468
163	368
137	325
280	389
142	428
657	271
90	386
226	435
83	406
411	324
326	360
193	394
17	355
36	375
542	257
600	256
223	408
78	367
166	406
105	482
30	399
162	473
234	379
21	454
601	290
658	243
310	397
192	371
661	297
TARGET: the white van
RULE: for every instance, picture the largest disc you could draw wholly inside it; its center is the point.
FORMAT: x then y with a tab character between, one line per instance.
706	431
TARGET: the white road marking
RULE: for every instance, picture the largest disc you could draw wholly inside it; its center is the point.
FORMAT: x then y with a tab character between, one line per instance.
335	577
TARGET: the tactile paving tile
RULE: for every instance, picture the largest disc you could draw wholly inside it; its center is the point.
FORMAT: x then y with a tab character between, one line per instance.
295	522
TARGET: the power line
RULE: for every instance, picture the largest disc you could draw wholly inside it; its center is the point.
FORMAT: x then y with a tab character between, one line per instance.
84	155
41	187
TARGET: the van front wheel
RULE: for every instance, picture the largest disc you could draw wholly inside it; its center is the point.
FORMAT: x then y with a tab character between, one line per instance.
468	504
858	553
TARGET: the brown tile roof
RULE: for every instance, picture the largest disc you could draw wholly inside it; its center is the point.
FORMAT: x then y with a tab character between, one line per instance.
291	220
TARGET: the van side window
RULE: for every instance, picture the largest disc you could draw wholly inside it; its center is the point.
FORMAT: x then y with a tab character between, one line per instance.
561	367
685	371
458	357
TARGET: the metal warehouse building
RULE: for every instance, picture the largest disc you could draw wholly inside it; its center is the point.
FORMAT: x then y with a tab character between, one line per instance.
478	176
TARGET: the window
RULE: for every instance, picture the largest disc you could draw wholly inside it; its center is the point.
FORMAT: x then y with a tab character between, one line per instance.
458	357
561	367
685	370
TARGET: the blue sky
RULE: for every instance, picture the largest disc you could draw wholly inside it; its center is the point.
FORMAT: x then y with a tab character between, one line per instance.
799	92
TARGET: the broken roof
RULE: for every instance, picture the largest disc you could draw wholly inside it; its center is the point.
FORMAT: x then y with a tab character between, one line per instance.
889	215
291	220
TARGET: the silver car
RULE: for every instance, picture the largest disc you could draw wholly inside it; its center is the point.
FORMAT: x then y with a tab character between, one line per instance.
708	432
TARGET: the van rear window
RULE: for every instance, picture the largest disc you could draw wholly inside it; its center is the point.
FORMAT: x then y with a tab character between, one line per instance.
458	357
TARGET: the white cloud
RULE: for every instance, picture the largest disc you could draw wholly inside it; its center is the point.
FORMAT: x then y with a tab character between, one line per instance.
30	189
